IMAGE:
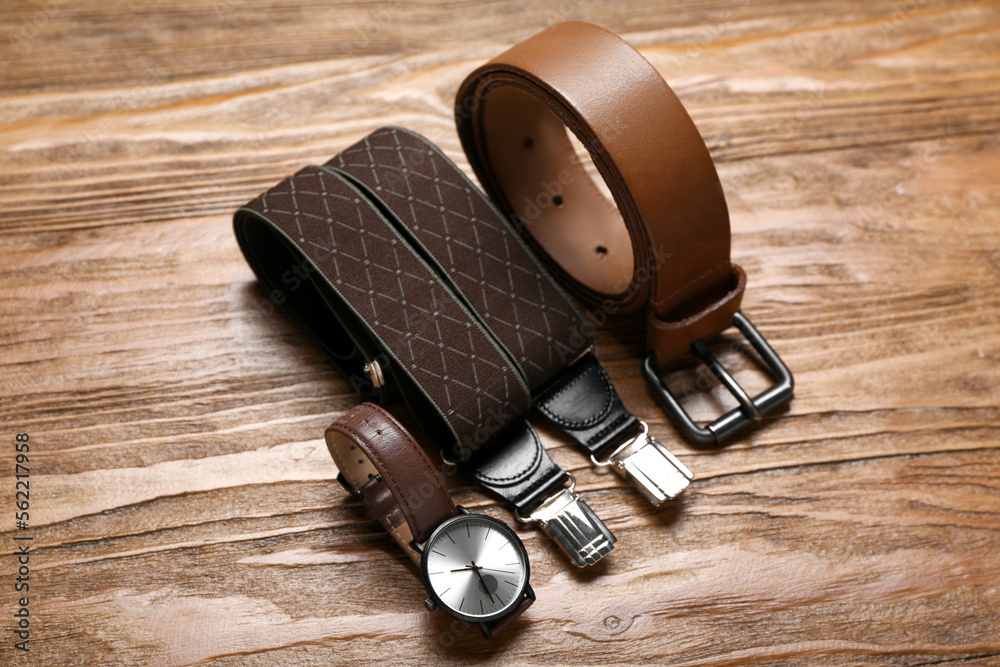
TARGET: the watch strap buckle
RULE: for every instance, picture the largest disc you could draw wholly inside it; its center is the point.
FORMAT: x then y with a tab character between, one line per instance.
354	493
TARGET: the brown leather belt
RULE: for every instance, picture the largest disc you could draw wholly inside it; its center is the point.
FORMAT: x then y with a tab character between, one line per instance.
664	242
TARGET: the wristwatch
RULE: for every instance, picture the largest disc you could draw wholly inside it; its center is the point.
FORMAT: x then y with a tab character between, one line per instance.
474	567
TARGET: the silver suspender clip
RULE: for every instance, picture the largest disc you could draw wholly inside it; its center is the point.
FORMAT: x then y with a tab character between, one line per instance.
567	520
649	467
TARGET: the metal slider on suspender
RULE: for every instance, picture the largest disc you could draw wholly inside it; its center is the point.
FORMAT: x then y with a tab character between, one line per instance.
646	464
750	410
374	371
568	520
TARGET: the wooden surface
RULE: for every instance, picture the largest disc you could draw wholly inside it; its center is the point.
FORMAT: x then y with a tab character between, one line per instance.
183	507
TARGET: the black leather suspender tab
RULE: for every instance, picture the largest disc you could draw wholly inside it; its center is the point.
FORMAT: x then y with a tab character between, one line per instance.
522	473
583	403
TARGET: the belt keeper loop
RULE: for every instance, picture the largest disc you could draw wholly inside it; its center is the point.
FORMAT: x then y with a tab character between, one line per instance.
671	339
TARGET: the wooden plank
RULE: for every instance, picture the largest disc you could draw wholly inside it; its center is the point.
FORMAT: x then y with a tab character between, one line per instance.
185	510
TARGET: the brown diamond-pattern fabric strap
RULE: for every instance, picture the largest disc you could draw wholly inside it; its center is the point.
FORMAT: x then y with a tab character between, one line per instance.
344	272
476	248
501	280
381	288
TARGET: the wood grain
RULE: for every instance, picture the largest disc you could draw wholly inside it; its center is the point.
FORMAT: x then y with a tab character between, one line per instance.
184	509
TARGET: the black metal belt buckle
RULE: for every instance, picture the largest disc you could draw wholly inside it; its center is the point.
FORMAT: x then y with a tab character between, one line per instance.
750	409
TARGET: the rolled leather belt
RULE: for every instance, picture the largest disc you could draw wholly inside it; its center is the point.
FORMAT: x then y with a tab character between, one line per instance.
662	244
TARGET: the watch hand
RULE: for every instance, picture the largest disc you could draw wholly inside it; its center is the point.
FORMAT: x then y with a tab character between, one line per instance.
466	569
477	569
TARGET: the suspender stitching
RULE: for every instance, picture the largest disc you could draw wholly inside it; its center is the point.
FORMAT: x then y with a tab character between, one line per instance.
579	423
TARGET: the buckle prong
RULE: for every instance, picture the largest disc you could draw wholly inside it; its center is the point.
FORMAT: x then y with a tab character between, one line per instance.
750	409
718	370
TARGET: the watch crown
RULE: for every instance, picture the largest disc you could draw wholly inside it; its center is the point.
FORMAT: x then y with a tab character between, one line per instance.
430	604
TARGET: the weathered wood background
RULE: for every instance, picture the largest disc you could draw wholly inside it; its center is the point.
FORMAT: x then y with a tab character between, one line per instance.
184	509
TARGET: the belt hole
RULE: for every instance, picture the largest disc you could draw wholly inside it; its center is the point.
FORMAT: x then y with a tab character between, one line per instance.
529	142
601	251
558	201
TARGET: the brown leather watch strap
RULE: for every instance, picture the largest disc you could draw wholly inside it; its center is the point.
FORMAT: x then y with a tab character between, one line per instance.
380	463
665	240
398	485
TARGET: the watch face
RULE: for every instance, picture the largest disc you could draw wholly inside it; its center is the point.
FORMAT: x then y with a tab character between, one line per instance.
475	567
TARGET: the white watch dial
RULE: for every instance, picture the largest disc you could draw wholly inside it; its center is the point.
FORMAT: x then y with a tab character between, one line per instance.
475	567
